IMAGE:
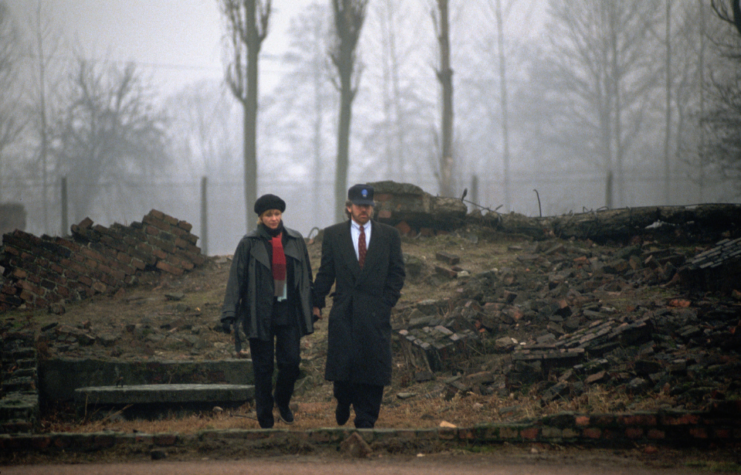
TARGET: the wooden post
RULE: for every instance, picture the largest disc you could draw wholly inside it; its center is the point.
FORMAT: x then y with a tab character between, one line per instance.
475	189
204	216
65	225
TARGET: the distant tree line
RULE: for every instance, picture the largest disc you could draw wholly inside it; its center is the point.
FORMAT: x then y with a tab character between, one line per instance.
440	93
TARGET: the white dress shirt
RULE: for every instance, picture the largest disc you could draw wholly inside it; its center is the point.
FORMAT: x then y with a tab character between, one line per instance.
355	233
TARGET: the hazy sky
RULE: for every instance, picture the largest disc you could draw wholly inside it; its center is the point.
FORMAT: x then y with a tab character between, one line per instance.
178	41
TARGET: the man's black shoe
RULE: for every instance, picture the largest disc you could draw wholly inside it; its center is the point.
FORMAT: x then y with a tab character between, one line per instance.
286	415
266	422
342	413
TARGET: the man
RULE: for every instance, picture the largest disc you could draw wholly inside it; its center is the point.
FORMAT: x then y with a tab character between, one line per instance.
363	258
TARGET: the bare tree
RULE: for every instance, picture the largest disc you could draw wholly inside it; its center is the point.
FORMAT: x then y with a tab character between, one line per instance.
721	120
595	81
10	124
445	78
349	16
306	97
729	11
247	27
44	46
109	134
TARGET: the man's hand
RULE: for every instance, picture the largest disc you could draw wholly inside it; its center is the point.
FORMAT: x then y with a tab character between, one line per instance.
317	313
226	325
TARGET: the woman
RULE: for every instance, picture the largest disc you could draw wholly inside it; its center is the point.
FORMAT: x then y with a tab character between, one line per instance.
269	302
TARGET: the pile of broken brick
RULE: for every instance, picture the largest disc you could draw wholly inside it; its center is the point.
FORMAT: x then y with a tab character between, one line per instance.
571	315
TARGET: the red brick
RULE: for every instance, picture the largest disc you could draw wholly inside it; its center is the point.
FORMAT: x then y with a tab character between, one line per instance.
634	432
698	433
87	252
722	433
159	254
180	233
157	214
581	420
684	419
26	285
85	223
162	265
656	434
602	420
384	214
152	230
404	228
11	250
170	220
99	287
71	245
26	296
531	433
383	197
466	434
185	225
592	433
638	420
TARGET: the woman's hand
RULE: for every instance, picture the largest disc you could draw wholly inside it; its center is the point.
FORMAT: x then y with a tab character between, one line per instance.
317	313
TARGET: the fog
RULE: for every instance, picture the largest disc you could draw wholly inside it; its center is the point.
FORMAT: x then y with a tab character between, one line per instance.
578	105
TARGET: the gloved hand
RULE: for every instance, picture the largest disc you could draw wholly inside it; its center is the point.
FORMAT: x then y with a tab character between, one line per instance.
226	325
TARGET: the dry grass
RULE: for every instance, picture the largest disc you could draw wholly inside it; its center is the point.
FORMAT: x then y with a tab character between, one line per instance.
203	290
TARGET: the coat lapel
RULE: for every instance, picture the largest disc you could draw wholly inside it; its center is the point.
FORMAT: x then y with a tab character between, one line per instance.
347	249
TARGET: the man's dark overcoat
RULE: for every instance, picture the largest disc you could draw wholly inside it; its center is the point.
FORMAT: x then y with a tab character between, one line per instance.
249	290
359	344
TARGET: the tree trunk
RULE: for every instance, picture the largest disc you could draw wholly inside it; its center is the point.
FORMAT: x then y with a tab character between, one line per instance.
250	117
503	101
343	146
349	16
668	101
445	76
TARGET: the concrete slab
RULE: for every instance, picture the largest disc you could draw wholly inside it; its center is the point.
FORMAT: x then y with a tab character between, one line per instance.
165	394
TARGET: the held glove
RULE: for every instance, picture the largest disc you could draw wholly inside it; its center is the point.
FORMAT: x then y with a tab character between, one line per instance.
226	325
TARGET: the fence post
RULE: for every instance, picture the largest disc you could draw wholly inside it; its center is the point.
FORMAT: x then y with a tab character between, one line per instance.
65	225
204	216
475	189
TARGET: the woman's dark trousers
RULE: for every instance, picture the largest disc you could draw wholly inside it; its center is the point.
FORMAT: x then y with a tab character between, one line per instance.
283	347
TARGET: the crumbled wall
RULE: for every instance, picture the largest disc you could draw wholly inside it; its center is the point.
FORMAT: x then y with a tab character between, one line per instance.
40	271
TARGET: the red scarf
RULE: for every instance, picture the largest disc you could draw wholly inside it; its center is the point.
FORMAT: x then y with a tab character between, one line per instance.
279	264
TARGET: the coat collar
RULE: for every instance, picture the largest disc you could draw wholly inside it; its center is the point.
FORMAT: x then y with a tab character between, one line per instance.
291	248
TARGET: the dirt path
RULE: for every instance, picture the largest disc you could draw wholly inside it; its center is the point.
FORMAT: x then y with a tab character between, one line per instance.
533	464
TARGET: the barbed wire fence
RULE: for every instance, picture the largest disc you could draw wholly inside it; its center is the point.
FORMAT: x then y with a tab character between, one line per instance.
216	207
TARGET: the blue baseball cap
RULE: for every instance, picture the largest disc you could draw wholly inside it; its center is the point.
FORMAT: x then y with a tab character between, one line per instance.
361	195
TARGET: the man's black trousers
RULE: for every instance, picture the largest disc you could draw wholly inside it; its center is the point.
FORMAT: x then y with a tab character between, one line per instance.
364	398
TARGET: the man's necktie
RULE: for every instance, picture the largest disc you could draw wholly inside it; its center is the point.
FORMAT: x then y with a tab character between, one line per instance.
361	247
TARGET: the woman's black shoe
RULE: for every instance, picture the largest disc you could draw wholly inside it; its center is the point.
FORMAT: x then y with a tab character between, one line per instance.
286	415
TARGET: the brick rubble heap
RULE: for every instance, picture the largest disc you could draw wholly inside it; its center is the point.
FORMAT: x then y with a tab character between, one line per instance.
97	260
